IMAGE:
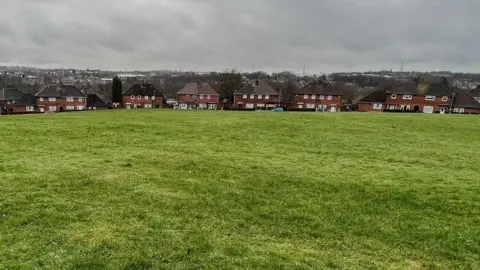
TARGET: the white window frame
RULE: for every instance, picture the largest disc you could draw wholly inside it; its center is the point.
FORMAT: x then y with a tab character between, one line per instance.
70	99
305	96
80	99
52	99
80	108
40	99
377	106
393	96
392	107
430	98
139	97
314	96
310	106
30	108
70	108
245	96
153	97
208	96
148	106
321	97
267	96
52	107
201	96
252	97
132	97
444	98
260	97
407	97
329	97
261	105
249	106
146	98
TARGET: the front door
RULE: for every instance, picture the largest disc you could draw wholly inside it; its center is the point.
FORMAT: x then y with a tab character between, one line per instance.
128	106
42	109
442	110
333	109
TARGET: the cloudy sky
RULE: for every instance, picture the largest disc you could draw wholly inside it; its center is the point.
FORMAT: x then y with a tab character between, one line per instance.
273	35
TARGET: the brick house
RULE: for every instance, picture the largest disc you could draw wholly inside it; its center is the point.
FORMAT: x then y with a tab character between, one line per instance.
142	95
319	96
256	94
95	101
198	95
59	98
465	103
13	101
414	97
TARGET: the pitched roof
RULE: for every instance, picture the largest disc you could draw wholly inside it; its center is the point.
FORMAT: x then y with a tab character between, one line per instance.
142	89
198	88
412	88
60	91
93	100
28	100
378	95
10	94
256	87
463	100
318	88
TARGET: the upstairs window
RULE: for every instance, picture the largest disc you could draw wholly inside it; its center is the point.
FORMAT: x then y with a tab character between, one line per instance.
314	96
139	97
147	98
80	99
267	97
52	99
132	97
430	98
153	97
208	97
445	98
329	97
245	96
260	96
407	97
201	96
40	99
393	96
252	96
322	97
70	99
305	96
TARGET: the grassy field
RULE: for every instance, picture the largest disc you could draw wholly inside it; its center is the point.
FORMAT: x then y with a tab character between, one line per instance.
229	190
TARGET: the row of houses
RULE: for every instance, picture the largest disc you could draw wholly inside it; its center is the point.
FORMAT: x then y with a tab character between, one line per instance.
254	95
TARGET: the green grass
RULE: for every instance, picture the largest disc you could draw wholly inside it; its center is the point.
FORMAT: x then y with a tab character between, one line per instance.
228	190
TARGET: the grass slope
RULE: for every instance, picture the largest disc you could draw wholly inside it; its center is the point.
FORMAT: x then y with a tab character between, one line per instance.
221	190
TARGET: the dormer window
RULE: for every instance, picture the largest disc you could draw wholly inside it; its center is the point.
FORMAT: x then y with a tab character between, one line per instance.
445	98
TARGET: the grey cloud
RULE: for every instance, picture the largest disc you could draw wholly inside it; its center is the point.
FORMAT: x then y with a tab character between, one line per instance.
326	35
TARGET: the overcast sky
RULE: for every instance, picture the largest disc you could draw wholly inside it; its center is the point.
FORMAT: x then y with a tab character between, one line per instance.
273	35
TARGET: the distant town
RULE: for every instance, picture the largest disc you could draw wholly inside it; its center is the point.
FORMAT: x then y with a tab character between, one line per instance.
29	89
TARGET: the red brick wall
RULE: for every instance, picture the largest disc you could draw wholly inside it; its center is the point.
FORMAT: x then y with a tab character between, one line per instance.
142	101
336	100
196	100
469	110
255	100
416	101
368	107
61	102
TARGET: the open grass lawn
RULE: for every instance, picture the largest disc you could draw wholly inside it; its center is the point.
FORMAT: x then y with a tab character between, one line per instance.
228	190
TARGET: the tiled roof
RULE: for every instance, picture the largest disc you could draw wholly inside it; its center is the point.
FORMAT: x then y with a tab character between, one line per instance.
256	87
378	95
142	89
463	100
60	91
10	94
319	89
412	88
93	100
197	89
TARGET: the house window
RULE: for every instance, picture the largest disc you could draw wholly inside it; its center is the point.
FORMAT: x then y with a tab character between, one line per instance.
393	96
377	106
80	99
208	97
445	98
201	96
252	97
194	96
153	97
310	106
260	96
139	97
405	107
80	108
132	97
70	108
322	97
40	99
314	96
260	105
407	97
148	106
249	106
52	99
147	98
70	99
430	98
329	97
245	96
267	97
30	109
52	108
392	107
305	96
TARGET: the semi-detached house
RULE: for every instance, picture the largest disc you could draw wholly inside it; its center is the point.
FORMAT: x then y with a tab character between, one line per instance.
257	95
59	98
319	96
